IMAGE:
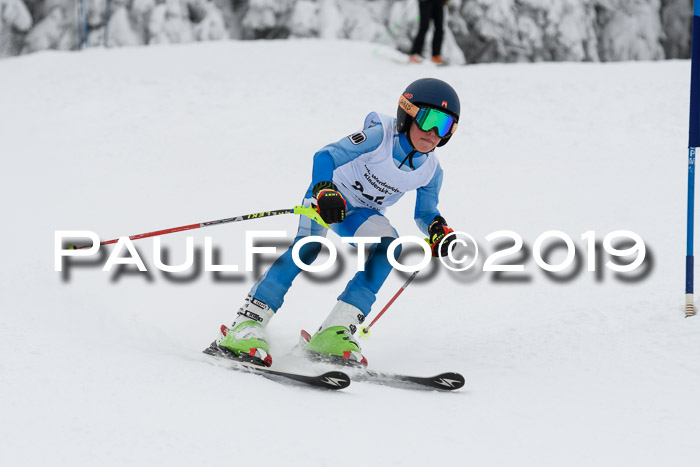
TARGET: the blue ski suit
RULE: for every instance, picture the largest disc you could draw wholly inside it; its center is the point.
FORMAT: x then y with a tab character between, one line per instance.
372	169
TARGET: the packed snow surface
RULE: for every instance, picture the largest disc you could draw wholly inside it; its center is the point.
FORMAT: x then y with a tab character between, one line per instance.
576	368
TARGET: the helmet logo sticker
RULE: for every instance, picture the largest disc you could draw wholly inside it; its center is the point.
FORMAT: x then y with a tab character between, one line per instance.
444	104
358	138
408	95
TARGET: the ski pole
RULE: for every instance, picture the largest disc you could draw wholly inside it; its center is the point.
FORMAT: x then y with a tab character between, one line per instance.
302	210
364	332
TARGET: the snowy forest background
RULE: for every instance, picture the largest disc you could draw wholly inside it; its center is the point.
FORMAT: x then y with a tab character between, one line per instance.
477	30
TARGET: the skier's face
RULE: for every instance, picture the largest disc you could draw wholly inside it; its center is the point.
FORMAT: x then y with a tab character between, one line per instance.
423	141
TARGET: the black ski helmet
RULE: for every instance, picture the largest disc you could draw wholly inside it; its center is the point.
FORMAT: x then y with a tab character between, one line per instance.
428	92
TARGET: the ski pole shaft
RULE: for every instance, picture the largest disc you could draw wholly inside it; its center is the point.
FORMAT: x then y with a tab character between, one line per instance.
302	210
82	26
365	330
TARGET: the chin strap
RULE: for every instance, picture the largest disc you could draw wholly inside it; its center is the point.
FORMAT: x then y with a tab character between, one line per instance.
410	159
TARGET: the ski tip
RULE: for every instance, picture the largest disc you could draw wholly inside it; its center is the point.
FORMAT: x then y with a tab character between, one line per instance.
335	380
448	381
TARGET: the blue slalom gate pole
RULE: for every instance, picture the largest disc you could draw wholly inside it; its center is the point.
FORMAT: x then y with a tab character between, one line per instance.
83	26
693	143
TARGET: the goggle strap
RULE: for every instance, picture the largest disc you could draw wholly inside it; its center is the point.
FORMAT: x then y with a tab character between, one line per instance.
409	108
413	110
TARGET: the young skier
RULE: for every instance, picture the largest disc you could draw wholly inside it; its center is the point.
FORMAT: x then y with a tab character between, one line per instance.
353	182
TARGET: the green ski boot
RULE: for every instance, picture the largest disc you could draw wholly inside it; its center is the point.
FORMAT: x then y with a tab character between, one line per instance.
246	340
334	340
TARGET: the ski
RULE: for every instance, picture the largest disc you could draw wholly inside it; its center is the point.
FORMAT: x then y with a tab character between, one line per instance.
332	380
448	381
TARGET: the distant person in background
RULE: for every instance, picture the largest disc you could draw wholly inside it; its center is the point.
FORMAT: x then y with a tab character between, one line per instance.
429	9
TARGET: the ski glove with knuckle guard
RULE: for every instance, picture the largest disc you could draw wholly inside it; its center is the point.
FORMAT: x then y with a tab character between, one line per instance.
330	204
438	230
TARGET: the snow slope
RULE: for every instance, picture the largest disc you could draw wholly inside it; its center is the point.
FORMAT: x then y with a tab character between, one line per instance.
105	367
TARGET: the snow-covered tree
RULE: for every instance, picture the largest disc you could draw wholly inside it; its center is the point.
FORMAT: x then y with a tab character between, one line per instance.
15	20
169	24
529	30
210	24
140	17
119	29
630	30
676	20
47	33
267	19
305	20
475	30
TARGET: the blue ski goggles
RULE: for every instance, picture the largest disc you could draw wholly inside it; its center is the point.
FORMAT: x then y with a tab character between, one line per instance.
428	118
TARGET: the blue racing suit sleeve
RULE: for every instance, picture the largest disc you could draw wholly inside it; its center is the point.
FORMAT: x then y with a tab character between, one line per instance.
340	153
427	198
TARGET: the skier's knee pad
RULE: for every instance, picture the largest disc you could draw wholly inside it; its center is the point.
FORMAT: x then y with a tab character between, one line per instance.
309	252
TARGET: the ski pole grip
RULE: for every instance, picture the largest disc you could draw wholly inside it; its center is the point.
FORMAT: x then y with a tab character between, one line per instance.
311	214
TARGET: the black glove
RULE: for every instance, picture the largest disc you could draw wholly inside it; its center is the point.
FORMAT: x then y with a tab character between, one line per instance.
330	204
438	230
